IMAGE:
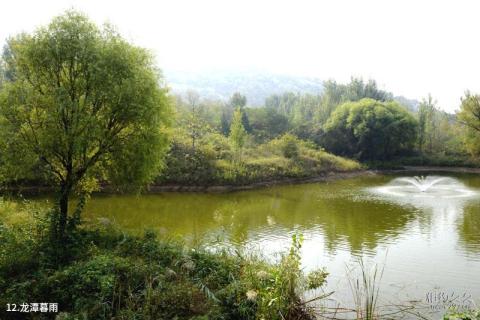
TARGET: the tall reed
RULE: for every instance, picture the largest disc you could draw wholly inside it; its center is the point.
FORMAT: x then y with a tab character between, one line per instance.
365	290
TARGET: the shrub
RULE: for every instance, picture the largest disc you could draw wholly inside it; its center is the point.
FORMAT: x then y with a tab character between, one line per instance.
116	275
289	146
188	166
275	290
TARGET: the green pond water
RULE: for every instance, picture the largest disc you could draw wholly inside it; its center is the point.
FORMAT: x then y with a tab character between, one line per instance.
426	242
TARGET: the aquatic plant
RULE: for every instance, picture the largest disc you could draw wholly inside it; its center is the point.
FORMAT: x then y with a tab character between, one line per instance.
365	290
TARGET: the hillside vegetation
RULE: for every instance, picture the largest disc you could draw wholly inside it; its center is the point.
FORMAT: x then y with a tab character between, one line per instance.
214	161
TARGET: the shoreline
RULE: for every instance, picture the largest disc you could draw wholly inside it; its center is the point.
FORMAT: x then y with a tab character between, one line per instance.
441	169
159	188
326	177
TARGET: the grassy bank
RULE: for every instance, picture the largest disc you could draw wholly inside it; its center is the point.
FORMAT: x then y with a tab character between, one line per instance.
106	274
212	161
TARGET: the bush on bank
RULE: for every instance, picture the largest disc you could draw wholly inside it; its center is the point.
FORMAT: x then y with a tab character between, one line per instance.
107	274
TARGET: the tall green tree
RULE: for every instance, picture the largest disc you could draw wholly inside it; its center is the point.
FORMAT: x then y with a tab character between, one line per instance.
422	126
237	100
83	106
225	118
240	101
469	113
304	109
335	94
428	118
370	129
267	123
357	89
238	134
283	104
469	116
192	119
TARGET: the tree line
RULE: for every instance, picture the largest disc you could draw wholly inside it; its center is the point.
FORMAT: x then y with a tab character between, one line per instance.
357	120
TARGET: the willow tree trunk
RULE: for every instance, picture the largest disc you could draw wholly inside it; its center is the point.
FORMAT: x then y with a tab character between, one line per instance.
63	210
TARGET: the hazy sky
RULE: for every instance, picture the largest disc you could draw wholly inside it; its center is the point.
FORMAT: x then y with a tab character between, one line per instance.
411	48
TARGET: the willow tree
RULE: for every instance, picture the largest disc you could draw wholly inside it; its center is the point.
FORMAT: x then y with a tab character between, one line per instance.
82	106
370	129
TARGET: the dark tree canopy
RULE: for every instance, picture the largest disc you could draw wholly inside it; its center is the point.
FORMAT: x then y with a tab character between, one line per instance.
267	123
283	103
370	129
238	100
82	105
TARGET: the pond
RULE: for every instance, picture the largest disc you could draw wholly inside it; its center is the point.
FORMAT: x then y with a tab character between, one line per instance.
427	243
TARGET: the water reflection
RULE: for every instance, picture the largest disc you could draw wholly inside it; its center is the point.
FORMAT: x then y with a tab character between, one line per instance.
345	219
354	215
440	202
468	228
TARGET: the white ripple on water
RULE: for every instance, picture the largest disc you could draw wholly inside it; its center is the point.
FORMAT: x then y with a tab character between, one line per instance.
426	188
431	192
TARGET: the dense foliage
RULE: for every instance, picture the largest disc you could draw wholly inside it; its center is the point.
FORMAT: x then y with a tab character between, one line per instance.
370	129
82	106
111	275
403	131
237	134
469	115
217	161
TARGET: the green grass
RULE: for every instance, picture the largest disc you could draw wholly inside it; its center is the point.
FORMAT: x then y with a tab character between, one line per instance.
215	163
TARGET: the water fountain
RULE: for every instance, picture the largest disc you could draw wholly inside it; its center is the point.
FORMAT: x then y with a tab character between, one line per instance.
422	183
443	196
429	187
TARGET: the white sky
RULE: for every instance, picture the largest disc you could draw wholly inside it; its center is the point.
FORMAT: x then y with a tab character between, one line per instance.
411	48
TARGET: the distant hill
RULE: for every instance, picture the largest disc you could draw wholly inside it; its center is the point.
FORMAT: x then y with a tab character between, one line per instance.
256	86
